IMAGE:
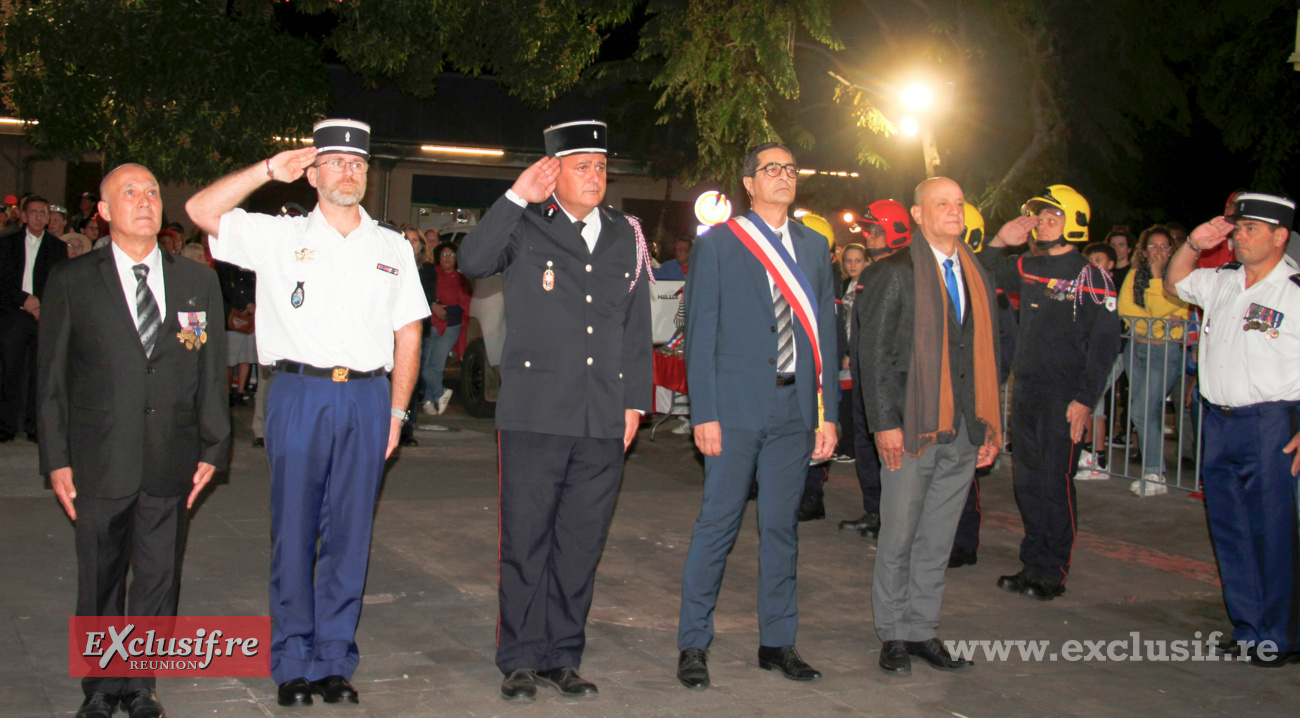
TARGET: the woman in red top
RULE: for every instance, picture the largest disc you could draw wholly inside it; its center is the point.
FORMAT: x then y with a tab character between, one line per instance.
448	292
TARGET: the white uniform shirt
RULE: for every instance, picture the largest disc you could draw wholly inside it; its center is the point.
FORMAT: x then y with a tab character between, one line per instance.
356	290
1239	367
126	273
940	257
33	247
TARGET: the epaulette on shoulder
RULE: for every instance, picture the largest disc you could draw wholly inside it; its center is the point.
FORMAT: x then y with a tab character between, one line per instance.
1229	265
611	212
388	226
1295	279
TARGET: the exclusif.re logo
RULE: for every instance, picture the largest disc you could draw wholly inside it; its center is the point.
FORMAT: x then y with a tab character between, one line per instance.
182	646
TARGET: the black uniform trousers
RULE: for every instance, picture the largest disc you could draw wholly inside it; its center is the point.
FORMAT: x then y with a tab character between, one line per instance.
146	533
868	461
557	494
968	527
17	372
1043	477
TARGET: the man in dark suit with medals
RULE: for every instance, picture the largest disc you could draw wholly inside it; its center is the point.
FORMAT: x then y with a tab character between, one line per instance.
133	415
760	349
576	376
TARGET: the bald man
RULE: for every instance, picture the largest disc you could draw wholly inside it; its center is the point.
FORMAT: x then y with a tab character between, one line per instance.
932	427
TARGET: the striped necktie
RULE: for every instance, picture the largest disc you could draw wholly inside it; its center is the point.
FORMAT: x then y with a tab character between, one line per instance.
148	320
784	328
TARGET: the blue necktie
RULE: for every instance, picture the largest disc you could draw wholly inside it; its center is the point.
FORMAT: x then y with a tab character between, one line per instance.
954	291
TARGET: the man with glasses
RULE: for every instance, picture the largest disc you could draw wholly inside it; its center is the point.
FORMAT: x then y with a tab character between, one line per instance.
339	305
762	365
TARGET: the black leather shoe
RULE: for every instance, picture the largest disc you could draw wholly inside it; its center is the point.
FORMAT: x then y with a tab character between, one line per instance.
567	681
520	685
894	659
786	659
812	509
1274	659
142	704
259	443
693	668
295	692
872	529
962	557
862	522
1040	590
97	705
1227	648
333	689
933	652
405	440
1014	583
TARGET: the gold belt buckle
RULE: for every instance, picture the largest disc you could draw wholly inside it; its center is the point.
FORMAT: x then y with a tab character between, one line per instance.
340	373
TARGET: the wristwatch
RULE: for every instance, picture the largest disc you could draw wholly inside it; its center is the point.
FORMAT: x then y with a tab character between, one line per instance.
399	414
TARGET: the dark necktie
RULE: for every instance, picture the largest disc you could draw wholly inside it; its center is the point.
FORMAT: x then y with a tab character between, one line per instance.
148	320
784	329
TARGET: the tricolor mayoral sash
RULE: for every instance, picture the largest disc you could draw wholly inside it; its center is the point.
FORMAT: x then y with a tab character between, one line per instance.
761	241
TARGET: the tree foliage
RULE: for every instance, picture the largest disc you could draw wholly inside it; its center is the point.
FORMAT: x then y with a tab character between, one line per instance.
176	85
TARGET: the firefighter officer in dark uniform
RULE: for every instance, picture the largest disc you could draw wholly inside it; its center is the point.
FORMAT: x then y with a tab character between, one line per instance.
1068	340
576	377
1249	358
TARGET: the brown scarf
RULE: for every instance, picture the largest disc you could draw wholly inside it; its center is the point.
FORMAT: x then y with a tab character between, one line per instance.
928	405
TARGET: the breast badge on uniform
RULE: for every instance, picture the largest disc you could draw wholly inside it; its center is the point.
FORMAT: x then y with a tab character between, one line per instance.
304	255
386	268
548	277
295	299
193	333
1261	318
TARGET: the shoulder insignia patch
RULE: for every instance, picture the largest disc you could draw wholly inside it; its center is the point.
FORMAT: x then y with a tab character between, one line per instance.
1229	265
1295	278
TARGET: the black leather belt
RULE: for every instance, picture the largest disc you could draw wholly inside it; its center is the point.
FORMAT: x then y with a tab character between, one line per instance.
338	373
784	379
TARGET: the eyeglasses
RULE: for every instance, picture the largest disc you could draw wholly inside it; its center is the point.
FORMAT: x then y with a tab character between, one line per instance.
336	166
447	254
773	169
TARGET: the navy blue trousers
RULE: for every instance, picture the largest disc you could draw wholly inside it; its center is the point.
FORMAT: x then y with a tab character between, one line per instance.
557	494
1250	496
778	457
1043	476
325	441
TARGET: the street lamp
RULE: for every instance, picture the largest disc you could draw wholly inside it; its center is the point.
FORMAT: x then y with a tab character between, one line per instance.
918	98
909	126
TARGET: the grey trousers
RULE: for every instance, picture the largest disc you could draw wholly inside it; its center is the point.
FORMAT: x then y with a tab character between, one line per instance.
265	374
920	505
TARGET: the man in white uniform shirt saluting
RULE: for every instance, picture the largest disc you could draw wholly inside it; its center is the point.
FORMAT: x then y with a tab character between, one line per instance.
339	305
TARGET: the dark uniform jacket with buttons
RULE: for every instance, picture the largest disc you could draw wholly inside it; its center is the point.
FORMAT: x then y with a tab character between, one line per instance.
121	420
731	337
578	344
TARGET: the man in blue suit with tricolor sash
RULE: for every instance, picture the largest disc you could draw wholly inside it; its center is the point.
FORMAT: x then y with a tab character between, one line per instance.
760	352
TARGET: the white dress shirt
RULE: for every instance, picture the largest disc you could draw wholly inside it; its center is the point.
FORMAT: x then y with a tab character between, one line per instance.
126	272
591	223
29	264
940	257
356	290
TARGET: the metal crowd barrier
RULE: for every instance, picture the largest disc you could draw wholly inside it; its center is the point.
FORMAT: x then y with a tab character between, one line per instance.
1156	363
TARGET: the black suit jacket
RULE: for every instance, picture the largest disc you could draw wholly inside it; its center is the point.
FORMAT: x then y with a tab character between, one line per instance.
121	420
13	256
578	352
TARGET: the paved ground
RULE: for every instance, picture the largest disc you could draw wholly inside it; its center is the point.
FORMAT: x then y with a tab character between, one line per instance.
427	630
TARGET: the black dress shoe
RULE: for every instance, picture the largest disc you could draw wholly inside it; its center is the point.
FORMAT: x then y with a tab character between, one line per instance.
97	705
786	659
405	440
259	443
333	689
520	685
812	509
1227	648
142	704
1014	583
894	658
933	652
1275	659
567	681
962	557
865	521
693	668
295	692
872	529
1040	590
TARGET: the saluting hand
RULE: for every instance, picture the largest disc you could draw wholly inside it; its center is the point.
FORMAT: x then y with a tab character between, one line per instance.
1015	233
538	181
1211	234
292	164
